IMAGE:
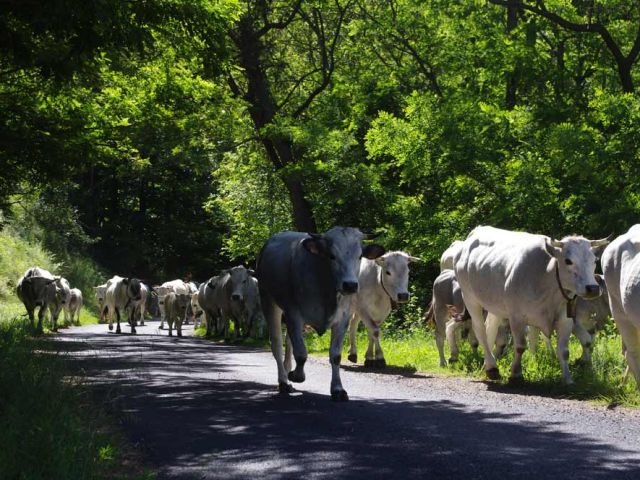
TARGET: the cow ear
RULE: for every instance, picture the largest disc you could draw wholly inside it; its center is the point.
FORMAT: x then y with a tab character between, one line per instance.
251	272
315	245
598	250
125	281
373	251
552	249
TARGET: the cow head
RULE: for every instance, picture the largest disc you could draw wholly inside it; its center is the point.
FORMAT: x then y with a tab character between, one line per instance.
134	288
394	274
342	247
63	292
456	314
182	301
576	263
238	278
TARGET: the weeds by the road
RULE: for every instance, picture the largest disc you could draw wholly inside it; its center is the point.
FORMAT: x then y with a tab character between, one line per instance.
49	428
603	382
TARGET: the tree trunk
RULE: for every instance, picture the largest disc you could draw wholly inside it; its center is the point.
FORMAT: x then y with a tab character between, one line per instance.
624	71
512	86
262	110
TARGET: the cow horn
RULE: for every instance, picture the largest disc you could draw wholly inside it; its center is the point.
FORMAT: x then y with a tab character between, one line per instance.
556	243
601	242
317	236
415	259
371	236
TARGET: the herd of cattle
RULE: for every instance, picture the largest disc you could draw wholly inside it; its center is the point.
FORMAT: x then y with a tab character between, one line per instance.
493	283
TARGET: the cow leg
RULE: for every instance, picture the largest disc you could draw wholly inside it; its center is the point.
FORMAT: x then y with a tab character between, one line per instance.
564	326
450	329
380	361
141	315
169	319
441	315
41	313
631	343
492	324
294	332
54	312
533	334
370	354
273	316
502	338
518	330
288	353
477	322
338	330
179	326
353	330
585	340
132	320
118	320
471	336
32	319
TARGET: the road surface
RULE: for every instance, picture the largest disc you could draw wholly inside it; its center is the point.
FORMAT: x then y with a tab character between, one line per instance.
200	410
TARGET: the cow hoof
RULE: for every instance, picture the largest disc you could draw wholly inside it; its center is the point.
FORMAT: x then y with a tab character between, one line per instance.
142	324
179	334
516	381
285	388
133	331
297	376
339	396
493	373
171	334
368	363
110	327
353	357
380	363
453	360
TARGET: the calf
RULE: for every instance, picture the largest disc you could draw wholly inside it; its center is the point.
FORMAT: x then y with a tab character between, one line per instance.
208	303
75	305
383	282
175	286
101	295
175	305
60	301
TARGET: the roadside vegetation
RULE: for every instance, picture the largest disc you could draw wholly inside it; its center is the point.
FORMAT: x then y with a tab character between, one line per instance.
409	346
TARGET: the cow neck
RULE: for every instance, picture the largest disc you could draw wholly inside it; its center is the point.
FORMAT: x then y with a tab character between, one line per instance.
393	302
566	297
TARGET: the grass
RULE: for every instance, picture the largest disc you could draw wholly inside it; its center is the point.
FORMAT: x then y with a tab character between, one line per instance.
49	427
416	351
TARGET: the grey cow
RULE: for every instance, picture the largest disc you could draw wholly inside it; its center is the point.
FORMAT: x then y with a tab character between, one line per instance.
310	279
208	304
238	299
75	305
122	296
36	289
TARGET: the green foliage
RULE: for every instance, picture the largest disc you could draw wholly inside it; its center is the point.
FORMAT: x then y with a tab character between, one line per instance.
46	428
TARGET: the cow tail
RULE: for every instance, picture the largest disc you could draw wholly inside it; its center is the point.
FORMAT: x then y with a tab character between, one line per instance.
429	315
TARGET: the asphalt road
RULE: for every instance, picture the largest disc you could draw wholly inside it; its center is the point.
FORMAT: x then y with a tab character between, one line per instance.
200	410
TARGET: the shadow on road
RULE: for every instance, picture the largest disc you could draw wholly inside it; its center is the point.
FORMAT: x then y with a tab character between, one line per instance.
192	420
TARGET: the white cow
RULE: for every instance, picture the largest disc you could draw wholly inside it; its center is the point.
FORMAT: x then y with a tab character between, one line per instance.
121	297
382	282
101	295
175	286
175	309
190	315
621	266
528	279
74	305
140	306
197	311
448	257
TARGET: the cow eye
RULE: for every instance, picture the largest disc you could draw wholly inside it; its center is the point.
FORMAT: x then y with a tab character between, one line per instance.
568	262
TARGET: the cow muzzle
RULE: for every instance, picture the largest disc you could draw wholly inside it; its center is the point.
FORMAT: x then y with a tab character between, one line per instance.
349	288
592	291
403	298
236	297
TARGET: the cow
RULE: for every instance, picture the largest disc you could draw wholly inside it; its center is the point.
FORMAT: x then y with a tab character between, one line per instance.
383	282
208	304
175	305
590	316
175	286
74	305
237	298
447	259
528	279
101	295
60	301
140	306
190	315
621	267
122	296
310	279
36	289
198	313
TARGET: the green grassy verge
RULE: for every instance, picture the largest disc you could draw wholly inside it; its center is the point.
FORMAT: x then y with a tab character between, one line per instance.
49	427
417	351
